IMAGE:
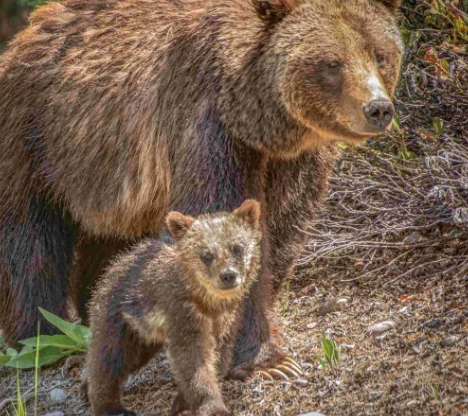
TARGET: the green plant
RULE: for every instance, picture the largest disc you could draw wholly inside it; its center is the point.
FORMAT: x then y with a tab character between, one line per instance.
48	349
331	357
30	3
19	409
435	390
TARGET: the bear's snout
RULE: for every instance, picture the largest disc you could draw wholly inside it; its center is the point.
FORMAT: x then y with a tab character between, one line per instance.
379	113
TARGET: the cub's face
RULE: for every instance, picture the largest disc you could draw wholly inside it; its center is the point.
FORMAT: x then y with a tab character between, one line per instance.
225	254
341	64
221	252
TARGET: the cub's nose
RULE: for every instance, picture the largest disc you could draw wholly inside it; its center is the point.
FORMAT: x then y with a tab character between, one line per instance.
379	113
229	279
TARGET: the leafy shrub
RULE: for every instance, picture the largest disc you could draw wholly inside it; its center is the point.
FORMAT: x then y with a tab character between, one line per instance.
50	348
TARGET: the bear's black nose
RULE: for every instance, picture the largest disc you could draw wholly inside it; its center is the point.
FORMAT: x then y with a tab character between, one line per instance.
379	113
229	278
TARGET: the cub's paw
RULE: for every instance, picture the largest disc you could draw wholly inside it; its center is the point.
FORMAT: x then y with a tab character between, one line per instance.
219	412
119	412
213	409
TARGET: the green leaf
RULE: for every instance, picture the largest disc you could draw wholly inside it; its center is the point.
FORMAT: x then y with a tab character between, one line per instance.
26	350
343	145
47	355
396	124
4	358
59	341
322	362
326	346
10	352
78	333
331	351
438	125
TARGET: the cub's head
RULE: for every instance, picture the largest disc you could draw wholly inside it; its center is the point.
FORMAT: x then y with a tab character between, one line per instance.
339	63
220	252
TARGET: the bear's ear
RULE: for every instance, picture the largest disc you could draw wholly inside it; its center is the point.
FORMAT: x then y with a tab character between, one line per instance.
273	11
393	5
249	212
178	224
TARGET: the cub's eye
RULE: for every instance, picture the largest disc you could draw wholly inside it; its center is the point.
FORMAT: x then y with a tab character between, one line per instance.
380	58
207	257
237	250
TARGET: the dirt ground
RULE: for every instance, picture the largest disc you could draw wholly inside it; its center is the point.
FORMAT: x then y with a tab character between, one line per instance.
407	372
392	239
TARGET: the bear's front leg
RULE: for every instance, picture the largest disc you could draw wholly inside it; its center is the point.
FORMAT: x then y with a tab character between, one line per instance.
36	253
192	354
295	190
115	353
258	344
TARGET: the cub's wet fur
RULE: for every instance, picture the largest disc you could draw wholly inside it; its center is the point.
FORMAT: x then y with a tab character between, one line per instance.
184	292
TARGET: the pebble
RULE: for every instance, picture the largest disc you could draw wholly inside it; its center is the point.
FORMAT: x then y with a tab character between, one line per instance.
381	327
301	382
55	414
311	414
58	395
413	238
449	341
333	305
347	346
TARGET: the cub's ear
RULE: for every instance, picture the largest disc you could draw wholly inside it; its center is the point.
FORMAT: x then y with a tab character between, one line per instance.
249	211
178	224
273	11
393	5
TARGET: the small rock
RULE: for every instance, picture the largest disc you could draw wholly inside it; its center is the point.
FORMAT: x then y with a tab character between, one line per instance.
413	238
58	395
432	323
333	305
311	414
449	341
55	414
301	382
347	346
460	216
311	325
382	327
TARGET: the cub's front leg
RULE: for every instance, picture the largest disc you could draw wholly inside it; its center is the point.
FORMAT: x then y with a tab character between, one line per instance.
192	354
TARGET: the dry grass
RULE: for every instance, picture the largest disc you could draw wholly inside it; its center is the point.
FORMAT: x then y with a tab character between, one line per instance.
393	238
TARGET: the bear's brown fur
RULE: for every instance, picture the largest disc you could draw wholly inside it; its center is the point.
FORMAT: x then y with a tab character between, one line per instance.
115	111
186	295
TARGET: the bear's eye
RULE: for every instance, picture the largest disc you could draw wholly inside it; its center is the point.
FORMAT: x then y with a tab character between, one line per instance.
380	58
207	257
238	250
334	64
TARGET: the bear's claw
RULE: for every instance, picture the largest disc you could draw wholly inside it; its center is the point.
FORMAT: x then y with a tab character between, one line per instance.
288	369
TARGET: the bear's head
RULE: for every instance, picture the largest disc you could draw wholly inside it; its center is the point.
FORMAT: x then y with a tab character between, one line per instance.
339	63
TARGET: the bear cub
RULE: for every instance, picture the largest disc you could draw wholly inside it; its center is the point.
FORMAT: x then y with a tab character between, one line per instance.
182	293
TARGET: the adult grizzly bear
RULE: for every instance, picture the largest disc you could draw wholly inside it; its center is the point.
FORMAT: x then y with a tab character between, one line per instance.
113	112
